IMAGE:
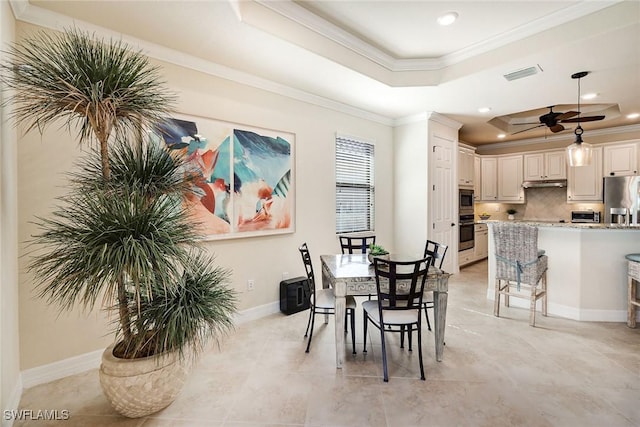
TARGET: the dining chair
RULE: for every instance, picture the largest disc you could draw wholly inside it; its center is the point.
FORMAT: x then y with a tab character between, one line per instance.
520	264
356	244
323	301
400	287
437	252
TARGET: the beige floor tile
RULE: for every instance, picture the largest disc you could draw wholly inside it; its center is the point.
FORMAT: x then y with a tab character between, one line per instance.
495	372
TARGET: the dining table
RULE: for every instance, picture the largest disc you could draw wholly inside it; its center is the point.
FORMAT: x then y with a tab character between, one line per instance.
353	274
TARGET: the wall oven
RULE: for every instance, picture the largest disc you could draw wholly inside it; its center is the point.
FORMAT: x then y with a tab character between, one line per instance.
465	201
466	232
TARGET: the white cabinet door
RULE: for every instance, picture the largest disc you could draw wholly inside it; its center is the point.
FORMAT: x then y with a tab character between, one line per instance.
481	244
510	179
465	167
489	180
556	164
620	160
584	183
534	167
547	165
477	178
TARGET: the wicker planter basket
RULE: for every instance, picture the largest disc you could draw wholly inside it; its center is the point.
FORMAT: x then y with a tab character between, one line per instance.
139	387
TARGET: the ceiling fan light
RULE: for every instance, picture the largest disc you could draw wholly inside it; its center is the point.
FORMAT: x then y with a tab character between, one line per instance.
447	18
579	153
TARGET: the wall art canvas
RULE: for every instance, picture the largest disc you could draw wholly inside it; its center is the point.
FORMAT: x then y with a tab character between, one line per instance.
246	182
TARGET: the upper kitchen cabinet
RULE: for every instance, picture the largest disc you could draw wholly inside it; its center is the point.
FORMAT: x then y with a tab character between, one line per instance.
510	179
465	167
584	183
621	159
545	165
477	178
501	178
489	179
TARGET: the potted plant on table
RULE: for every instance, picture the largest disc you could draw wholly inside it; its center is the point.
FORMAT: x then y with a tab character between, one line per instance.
122	235
511	213
377	251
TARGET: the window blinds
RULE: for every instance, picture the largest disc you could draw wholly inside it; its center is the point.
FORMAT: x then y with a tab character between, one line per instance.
354	185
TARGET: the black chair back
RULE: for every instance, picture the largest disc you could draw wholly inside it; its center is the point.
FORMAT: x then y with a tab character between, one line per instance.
308	266
436	251
356	245
400	284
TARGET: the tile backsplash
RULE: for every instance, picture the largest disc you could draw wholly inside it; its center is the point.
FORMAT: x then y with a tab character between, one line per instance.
543	204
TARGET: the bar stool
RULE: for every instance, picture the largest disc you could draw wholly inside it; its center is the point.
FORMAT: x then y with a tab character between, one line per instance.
633	274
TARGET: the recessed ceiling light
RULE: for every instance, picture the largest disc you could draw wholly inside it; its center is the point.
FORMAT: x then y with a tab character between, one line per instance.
448	18
501	135
484	109
588	96
633	115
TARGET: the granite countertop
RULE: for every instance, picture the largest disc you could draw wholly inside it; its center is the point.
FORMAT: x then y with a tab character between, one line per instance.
583	226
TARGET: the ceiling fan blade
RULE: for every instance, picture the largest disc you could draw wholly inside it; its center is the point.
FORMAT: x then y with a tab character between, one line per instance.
557	128
567	115
524	130
584	119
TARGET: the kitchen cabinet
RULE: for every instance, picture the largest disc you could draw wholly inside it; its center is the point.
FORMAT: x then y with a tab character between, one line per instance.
465	167
584	183
510	179
501	179
477	178
489	178
466	257
545	165
481	244
621	159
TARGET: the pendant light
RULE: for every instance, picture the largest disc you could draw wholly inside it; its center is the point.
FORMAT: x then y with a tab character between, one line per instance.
579	153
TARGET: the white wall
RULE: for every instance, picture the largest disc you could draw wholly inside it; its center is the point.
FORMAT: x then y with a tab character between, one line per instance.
42	160
9	340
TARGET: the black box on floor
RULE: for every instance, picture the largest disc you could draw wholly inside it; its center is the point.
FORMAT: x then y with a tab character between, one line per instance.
294	295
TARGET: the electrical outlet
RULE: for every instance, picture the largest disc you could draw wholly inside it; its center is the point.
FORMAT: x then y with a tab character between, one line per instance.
251	284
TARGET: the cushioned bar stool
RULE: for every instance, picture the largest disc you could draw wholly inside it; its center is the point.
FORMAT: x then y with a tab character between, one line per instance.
633	274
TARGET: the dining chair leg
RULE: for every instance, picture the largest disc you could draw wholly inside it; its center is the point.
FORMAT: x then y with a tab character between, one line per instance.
366	320
420	350
410	334
384	355
402	336
532	307
313	321
506	295
426	315
496	300
306	332
544	297
353	330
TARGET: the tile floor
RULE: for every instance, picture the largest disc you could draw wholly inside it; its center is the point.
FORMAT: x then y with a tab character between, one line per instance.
495	372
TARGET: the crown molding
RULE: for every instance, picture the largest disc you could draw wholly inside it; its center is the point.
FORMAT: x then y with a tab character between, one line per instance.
289	9
26	12
425	116
553	138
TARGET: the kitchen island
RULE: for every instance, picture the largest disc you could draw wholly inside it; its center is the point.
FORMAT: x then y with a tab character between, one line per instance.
587	275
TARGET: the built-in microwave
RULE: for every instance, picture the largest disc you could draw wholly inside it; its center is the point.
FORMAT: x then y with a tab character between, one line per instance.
465	204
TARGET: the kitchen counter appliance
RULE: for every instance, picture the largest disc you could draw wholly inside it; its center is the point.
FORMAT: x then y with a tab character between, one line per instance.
585	217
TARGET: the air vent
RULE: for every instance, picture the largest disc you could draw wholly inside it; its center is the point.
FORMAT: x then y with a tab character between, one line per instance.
525	72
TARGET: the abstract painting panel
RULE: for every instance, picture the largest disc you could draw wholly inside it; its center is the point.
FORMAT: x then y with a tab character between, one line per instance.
245	182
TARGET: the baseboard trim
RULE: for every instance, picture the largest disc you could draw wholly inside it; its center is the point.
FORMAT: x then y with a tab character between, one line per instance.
84	362
572	313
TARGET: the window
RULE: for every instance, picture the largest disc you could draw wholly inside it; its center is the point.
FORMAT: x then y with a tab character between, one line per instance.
354	185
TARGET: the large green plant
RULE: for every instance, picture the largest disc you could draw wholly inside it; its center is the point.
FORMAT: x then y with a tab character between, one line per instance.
121	235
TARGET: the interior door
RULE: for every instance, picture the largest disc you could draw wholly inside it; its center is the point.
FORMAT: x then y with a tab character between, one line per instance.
442	203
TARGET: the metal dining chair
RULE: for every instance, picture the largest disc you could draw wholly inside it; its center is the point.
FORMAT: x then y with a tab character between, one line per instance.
356	244
437	252
323	301
400	287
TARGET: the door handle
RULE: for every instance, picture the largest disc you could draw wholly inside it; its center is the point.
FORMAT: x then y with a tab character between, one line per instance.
452	224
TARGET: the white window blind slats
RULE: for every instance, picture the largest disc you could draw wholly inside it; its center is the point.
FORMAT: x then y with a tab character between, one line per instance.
354	186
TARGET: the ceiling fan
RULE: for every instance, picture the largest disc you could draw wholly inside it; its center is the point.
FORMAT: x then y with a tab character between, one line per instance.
553	120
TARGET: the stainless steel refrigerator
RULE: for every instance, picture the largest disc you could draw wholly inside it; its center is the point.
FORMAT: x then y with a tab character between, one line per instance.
622	199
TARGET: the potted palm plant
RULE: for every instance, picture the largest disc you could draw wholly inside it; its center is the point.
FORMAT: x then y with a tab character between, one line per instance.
122	236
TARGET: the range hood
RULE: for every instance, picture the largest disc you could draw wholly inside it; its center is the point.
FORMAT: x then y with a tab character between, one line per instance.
545	183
